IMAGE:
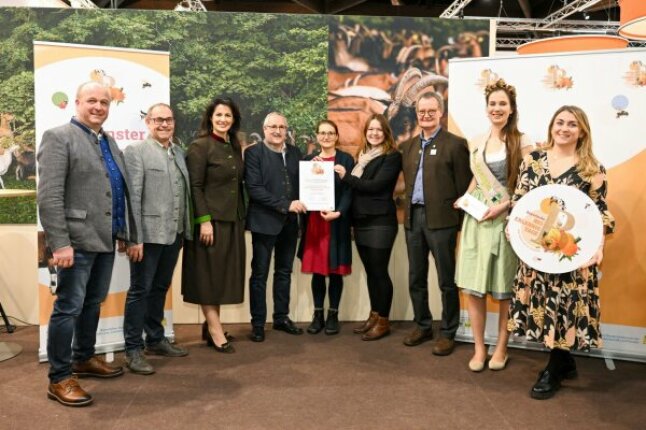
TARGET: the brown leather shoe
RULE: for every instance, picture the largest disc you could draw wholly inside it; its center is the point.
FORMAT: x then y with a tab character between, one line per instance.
377	331
69	393
443	346
367	324
418	336
97	367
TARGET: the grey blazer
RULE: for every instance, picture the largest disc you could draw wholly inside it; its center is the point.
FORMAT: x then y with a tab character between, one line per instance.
74	193
152	190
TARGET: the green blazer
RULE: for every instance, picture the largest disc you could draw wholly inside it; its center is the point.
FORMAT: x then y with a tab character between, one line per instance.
216	173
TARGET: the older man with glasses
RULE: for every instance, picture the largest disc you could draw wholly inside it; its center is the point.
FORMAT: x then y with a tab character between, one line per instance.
436	172
161	203
271	179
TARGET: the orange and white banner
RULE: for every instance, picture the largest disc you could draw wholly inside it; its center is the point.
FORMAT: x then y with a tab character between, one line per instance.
136	79
610	86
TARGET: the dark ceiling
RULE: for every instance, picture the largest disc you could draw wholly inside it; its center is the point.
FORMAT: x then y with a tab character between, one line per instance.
601	10
518	21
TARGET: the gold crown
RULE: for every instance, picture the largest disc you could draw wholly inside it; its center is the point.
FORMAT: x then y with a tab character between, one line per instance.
500	84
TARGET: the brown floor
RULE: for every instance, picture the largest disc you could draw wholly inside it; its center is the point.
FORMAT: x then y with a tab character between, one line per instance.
320	382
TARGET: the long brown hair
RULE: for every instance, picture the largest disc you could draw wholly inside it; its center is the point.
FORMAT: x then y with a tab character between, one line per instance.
389	141
587	165
510	132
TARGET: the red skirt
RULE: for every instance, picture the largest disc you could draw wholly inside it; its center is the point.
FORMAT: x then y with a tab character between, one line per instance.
316	252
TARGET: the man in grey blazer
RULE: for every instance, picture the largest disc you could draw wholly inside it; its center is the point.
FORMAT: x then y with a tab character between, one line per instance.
83	206
161	204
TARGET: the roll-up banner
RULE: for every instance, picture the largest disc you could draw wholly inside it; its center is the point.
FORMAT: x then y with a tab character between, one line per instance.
136	79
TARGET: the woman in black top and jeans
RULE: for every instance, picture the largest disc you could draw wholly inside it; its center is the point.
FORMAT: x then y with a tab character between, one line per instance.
374	218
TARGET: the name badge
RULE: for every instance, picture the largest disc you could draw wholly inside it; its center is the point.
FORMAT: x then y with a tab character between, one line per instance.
433	151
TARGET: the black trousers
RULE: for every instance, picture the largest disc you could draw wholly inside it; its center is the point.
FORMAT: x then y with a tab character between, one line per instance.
380	286
284	245
441	243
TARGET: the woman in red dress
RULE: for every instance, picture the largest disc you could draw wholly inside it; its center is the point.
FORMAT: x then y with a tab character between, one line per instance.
325	248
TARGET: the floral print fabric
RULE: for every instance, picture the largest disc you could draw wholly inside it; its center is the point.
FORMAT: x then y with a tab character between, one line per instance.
559	310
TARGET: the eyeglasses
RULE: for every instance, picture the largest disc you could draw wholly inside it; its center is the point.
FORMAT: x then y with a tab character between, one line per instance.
326	133
422	113
275	127
160	121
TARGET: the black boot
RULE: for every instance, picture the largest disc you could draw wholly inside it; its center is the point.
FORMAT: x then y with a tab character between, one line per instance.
549	380
546	386
568	368
332	323
318	322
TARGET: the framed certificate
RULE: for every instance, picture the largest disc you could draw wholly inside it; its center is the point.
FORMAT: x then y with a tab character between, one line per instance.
316	185
555	228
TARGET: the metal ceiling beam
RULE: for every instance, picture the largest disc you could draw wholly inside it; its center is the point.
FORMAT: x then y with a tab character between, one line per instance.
509	43
83	4
508	25
567	10
455	8
605	4
190	6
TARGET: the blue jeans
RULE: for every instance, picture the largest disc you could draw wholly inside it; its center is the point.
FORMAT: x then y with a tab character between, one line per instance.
149	283
75	317
263	244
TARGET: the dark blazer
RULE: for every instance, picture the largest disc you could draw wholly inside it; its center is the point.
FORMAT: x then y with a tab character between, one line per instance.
446	177
74	191
373	191
266	186
216	172
340	239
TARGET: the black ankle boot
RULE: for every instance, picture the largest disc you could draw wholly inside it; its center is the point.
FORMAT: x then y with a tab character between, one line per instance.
546	386
332	323
318	322
568	368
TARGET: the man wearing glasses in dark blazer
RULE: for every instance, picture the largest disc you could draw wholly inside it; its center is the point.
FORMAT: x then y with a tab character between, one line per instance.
271	180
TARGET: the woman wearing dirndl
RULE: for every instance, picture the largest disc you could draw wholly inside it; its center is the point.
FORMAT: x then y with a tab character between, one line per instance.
486	263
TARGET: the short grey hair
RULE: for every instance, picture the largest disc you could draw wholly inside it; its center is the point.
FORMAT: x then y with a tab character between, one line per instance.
270	114
431	95
156	105
85	85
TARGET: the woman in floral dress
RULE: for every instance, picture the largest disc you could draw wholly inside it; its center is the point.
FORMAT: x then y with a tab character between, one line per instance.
561	310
